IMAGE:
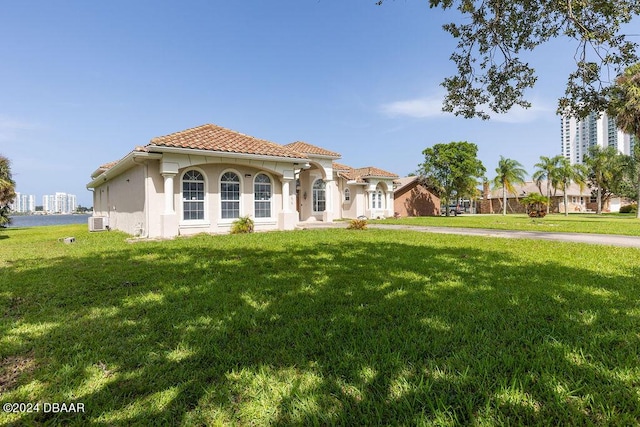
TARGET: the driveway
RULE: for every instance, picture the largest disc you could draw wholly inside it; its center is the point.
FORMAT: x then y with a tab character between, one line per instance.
592	239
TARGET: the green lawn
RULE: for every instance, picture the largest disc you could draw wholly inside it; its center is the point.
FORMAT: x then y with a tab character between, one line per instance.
318	327
626	224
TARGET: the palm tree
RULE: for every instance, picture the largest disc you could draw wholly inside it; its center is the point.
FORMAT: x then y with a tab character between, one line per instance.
546	166
509	172
601	164
7	190
625	106
565	174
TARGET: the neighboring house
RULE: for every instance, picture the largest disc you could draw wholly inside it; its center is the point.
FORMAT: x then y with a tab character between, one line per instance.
202	179
579	200
413	199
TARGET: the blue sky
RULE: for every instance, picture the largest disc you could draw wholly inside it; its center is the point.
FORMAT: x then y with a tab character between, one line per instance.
83	83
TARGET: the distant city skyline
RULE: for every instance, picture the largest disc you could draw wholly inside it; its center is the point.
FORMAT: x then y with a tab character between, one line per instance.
58	202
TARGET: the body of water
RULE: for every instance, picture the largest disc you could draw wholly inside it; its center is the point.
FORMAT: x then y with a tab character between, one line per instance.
40	220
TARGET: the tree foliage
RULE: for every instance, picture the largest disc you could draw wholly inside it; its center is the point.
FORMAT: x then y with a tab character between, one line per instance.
7	190
452	170
545	172
606	169
508	173
625	106
566	173
494	34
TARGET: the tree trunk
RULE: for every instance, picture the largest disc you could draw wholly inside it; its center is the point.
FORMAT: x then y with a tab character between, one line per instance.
638	201
566	201
504	200
548	195
599	200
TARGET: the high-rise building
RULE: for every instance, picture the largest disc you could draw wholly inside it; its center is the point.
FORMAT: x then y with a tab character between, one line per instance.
24	203
59	203
578	135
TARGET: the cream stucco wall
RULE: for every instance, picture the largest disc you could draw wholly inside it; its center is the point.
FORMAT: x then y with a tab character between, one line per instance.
122	200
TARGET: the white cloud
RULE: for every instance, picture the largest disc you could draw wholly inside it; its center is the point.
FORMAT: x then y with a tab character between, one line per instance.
420	108
431	107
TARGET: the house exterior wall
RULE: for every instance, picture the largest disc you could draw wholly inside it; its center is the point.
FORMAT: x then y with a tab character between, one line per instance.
350	207
415	200
213	221
122	199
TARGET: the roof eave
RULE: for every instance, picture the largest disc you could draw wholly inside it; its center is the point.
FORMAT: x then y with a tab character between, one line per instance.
125	163
178	150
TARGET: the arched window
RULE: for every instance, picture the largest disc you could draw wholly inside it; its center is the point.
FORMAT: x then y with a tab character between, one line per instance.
230	195
347	194
192	195
319	197
380	199
262	196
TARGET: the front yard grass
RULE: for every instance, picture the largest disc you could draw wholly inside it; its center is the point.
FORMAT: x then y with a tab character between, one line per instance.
626	224
318	327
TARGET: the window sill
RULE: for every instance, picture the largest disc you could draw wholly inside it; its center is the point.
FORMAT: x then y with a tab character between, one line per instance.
194	224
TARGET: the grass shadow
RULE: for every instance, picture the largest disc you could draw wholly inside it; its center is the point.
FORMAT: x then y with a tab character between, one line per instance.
326	327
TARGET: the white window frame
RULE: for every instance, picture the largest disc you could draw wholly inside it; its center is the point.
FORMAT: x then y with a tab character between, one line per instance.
262	201
203	201
315	193
222	201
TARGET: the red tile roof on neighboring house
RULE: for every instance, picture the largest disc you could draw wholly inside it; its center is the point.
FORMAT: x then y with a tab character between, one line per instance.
305	148
359	174
370	172
211	137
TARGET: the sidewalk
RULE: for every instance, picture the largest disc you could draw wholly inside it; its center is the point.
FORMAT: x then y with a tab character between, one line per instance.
592	239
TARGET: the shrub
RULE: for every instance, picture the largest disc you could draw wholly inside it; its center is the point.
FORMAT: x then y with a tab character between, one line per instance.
632	208
244	224
357	224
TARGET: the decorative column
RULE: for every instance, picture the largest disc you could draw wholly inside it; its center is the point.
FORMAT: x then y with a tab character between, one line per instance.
168	193
286	195
328	214
287	217
169	219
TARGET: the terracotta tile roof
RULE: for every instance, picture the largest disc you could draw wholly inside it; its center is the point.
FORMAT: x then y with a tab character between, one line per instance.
360	174
370	171
216	138
108	165
340	167
305	148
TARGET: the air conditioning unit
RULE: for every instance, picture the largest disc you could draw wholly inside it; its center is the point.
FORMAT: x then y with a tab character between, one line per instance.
98	223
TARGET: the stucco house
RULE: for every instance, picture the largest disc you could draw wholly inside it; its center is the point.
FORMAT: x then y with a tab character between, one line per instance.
204	178
413	199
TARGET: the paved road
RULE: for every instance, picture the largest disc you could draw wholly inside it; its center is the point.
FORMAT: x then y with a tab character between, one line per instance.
593	239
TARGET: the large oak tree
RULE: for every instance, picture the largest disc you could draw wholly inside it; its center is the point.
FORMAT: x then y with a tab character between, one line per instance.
493	36
452	170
